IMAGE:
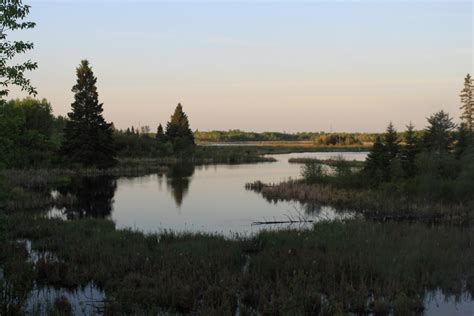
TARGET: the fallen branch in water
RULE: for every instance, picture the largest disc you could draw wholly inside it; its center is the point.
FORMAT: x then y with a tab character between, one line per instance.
291	219
283	222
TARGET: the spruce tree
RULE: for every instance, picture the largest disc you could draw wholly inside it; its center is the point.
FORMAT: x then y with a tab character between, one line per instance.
463	140
375	160
178	130
409	152
88	137
391	143
467	104
438	136
391	149
160	134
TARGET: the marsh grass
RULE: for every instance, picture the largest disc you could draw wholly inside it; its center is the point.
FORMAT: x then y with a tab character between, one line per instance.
330	162
373	204
336	267
181	272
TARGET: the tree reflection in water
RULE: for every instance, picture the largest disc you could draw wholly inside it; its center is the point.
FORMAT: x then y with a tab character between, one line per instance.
89	196
178	180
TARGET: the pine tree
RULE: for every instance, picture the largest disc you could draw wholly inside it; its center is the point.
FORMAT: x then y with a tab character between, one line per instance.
391	149
438	136
375	160
160	134
467	103
178	130
391	143
463	140
87	136
409	151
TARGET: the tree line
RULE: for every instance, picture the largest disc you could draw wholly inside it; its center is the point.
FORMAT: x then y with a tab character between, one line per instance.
31	136
316	138
440	161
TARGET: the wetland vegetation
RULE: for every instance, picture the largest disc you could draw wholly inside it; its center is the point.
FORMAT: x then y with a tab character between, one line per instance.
81	203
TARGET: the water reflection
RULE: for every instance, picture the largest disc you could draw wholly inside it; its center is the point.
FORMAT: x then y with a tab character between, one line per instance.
178	180
87	197
210	198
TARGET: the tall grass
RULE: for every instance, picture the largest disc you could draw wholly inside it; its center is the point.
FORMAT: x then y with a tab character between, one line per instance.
336	267
371	203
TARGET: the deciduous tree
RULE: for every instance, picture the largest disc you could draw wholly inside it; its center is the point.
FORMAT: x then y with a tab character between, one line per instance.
12	15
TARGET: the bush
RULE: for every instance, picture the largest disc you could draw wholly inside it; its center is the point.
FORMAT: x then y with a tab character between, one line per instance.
313	172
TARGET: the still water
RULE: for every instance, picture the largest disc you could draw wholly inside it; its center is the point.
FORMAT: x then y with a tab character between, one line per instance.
209	198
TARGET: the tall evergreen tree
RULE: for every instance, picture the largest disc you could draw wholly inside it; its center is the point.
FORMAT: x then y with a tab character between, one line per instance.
160	134
391	148
375	161
467	103
382	159
87	136
463	140
391	143
409	152
438	136
178	130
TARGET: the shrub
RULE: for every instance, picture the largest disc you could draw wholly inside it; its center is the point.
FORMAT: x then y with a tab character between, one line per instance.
313	172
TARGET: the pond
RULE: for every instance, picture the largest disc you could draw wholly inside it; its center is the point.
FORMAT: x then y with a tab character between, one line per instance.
213	198
209	198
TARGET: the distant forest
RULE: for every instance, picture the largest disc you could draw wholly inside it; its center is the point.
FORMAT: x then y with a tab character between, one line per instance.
316	138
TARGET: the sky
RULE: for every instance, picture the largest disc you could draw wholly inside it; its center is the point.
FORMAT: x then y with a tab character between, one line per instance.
349	66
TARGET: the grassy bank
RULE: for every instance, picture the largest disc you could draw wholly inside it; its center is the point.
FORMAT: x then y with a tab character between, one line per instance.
30	189
334	268
372	203
333	162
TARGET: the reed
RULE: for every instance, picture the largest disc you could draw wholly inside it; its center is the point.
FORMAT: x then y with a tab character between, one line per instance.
330	162
372	203
350	266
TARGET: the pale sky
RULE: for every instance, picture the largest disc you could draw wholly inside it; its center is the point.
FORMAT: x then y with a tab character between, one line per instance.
257	65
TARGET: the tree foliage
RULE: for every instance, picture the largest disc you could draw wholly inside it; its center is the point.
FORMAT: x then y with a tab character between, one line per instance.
438	136
27	130
317	138
88	138
178	131
375	161
384	156
467	104
12	15
160	134
409	151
